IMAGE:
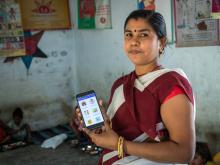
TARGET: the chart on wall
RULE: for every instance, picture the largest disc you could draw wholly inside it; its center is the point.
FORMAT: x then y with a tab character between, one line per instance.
193	23
45	14
11	31
215	9
146	4
94	14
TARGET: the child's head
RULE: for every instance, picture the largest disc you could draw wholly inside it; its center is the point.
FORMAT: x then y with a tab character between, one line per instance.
202	155
17	116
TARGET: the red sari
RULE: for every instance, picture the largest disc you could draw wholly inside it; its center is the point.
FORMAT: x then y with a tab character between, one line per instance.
134	107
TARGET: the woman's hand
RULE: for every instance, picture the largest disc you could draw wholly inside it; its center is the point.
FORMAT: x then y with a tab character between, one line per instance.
106	137
78	119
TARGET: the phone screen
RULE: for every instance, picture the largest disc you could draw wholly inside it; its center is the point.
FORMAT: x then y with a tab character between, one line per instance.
90	110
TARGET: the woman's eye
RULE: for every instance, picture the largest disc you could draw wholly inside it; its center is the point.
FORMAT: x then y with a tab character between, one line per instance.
143	35
128	35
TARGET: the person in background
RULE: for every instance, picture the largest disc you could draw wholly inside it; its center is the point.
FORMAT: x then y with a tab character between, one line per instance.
150	117
202	155
20	131
4	137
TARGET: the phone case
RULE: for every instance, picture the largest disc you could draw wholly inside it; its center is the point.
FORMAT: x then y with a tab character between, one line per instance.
84	94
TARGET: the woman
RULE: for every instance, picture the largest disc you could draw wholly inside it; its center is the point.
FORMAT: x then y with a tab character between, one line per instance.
150	117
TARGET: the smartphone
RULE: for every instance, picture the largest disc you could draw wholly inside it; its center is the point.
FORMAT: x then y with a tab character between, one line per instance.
90	110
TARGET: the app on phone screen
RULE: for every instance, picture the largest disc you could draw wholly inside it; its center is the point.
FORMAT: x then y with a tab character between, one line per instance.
90	109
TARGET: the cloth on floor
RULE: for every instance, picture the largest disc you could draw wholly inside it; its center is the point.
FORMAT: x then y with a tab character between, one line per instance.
39	136
54	141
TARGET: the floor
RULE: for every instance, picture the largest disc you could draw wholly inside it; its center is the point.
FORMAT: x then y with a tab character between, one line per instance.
35	155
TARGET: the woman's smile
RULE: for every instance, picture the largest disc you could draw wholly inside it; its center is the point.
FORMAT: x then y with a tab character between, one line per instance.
135	51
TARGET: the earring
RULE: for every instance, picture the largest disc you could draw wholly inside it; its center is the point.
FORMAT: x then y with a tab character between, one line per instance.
161	51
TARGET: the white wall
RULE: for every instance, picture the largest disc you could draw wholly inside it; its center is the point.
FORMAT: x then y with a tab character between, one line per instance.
48	85
100	57
202	67
100	60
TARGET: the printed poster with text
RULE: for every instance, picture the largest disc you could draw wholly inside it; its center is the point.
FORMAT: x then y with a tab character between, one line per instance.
193	24
11	32
165	7
45	14
94	14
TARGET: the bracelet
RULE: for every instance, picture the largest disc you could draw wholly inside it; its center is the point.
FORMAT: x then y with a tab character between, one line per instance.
120	147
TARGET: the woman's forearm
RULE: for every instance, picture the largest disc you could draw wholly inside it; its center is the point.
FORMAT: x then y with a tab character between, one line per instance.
166	152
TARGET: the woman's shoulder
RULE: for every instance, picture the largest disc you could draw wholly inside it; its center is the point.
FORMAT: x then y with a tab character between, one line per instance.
177	79
177	75
166	79
172	74
170	79
179	71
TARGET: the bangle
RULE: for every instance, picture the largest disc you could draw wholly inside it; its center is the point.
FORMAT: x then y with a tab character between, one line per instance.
120	147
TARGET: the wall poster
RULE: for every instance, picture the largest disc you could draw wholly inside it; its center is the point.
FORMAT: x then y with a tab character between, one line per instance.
11	32
94	14
165	7
146	4
215	14
45	14
193	23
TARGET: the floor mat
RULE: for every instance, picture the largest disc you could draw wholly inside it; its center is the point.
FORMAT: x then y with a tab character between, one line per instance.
39	136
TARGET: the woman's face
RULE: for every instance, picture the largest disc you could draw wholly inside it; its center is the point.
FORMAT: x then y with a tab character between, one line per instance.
141	43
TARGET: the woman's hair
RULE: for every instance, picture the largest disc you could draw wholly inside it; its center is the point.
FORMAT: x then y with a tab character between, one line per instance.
155	19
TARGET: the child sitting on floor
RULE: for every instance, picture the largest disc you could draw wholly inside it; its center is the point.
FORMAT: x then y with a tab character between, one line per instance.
202	155
20	130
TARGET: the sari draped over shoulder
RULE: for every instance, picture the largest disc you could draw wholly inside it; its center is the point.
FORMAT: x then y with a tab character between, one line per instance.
134	109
